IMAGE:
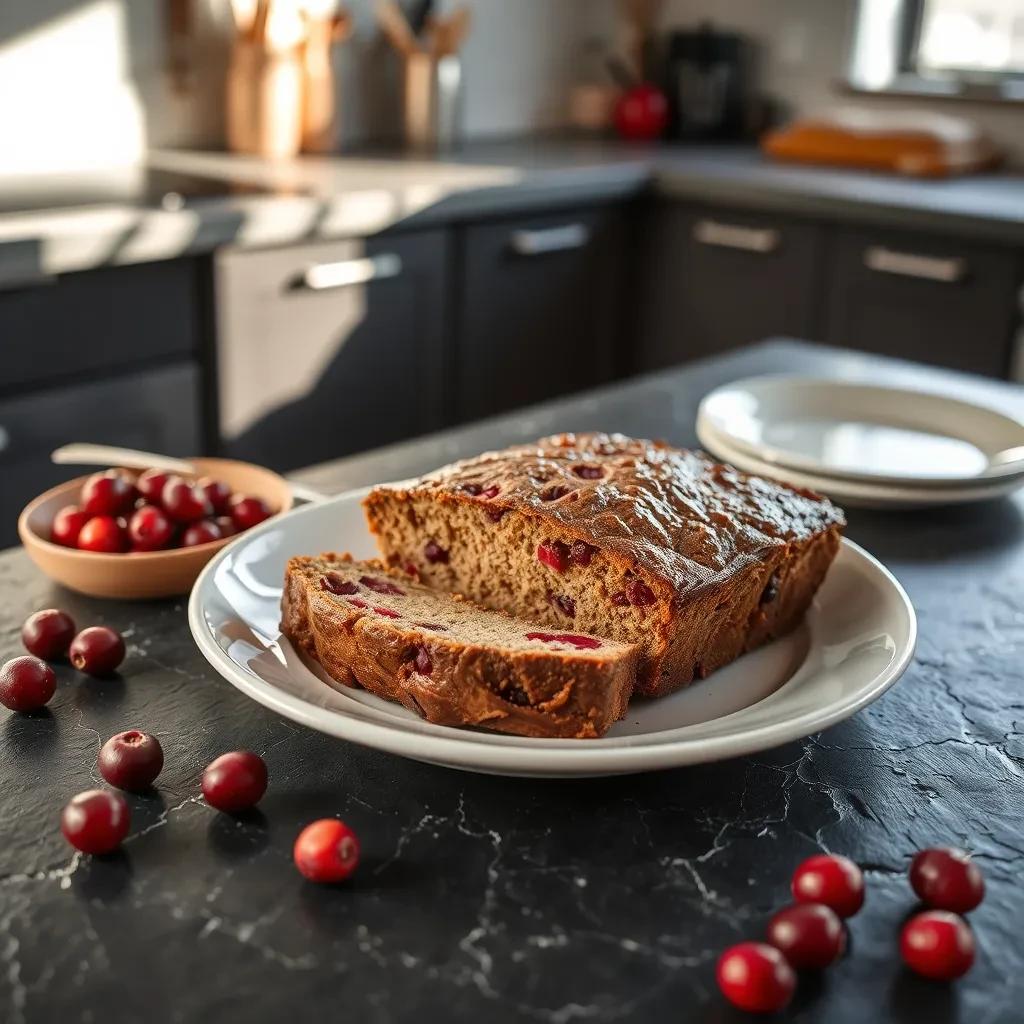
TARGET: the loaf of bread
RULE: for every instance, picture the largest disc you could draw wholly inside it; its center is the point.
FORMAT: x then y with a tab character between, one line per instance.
449	661
668	549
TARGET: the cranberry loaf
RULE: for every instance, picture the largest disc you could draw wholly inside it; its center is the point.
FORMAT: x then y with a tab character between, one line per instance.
446	659
688	558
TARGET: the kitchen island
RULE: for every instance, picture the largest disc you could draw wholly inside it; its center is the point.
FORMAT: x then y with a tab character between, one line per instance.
511	899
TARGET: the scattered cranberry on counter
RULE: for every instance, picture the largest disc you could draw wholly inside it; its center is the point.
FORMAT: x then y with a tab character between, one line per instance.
247	511
131	760
326	851
755	977
235	781
109	493
947	878
104	534
67	525
218	494
937	944
26	683
184	502
203	532
150	484
95	821
149	529
830	879
97	651
48	633
809	935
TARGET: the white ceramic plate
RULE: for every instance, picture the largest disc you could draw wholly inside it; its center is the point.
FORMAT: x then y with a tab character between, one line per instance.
855	493
856	642
859	432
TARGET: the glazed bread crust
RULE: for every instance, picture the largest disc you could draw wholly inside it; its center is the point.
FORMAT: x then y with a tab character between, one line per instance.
450	662
630	539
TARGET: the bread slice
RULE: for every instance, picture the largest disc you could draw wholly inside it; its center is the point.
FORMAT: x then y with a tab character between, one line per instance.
651	545
448	660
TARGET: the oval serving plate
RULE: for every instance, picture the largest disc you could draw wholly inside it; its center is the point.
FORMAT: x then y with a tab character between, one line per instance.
857	640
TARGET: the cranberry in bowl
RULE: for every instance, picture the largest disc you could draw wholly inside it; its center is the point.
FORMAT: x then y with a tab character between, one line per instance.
151	561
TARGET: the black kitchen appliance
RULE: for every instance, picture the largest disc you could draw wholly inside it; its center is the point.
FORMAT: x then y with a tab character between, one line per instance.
707	81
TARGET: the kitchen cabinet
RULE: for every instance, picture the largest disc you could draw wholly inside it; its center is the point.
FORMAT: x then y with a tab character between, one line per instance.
331	348
156	410
97	321
540	307
932	299
716	278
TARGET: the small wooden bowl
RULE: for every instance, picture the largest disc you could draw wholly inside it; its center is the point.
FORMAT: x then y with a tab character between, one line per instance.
141	574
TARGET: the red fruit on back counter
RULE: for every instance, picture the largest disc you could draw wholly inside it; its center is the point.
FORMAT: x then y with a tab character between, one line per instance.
947	878
755	977
326	851
108	493
26	683
217	493
184	502
830	879
67	525
97	651
104	534
641	112
131	760
235	781
203	532
95	821
150	529
151	484
48	633
247	511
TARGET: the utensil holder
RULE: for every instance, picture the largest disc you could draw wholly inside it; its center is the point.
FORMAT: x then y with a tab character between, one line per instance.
432	101
264	101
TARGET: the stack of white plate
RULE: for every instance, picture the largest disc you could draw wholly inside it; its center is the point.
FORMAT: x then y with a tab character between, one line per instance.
864	446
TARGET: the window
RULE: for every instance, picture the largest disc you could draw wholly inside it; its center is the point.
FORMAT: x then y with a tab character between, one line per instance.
967	48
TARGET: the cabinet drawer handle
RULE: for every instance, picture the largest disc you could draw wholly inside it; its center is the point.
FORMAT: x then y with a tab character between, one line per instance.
736	236
909	264
321	277
545	240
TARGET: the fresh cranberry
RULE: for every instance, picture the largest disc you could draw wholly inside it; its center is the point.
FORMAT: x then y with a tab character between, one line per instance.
565	604
67	525
184	502
149	529
380	586
335	584
131	760
947	878
937	944
640	594
48	633
422	661
326	851
434	553
554	492
95	821
388	613
151	485
203	532
247	512
830	879
226	525
809	935
104	534
26	683
585	643
107	494
235	781
218	494
97	651
554	554
581	553
588	472
755	977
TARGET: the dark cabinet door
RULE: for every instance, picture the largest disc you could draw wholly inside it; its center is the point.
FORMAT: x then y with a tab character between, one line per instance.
331	348
540	309
929	299
155	411
714	279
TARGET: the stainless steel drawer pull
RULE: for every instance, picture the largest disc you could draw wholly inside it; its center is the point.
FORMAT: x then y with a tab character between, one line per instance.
324	276
545	240
909	264
736	236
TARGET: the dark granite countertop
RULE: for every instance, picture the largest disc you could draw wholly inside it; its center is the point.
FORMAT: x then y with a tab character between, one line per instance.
514	900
